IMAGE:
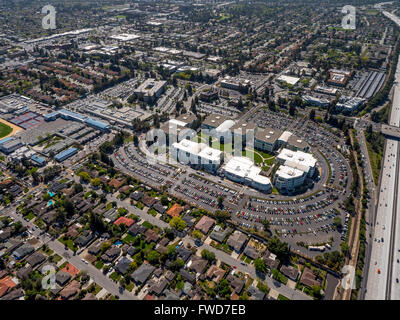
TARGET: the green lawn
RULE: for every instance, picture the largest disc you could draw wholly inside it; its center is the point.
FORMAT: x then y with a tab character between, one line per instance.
375	160
99	265
56	258
282	297
30	216
69	243
115	276
279	276
152	212
128	239
4	130
139	205
253	156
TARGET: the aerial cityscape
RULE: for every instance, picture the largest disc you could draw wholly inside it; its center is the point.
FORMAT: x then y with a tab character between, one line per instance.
199	150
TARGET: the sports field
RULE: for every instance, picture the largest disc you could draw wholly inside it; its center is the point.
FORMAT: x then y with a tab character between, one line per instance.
8	129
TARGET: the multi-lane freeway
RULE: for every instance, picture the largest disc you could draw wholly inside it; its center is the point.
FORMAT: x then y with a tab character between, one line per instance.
384	265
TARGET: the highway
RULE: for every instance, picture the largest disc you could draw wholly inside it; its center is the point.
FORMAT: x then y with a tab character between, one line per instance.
384	268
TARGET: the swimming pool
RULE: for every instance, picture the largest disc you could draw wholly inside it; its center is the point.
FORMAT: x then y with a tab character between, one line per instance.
50	203
51	194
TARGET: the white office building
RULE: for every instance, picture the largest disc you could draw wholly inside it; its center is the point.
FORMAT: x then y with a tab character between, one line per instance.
197	154
243	170
288	178
299	160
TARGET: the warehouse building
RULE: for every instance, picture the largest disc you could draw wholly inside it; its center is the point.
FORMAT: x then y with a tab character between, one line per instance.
10	144
66	154
243	170
73	116
38	161
198	155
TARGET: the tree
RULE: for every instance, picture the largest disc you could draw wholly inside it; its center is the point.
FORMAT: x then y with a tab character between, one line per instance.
220	201
122	282
223	289
281	249
153	257
312	115
266	225
292	110
208	255
337	222
85	177
96	182
135	140
177	264
259	265
177	223
197	234
169	233
316	291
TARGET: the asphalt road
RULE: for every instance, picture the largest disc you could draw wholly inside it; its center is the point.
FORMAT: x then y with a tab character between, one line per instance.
59	248
226	258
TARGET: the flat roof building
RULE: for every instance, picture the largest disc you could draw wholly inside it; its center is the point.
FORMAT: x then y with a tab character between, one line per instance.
150	90
288	79
213	121
197	154
243	170
288	178
64	155
298	160
9	145
39	161
267	139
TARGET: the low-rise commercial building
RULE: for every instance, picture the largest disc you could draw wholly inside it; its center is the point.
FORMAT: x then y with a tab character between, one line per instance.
198	155
267	139
66	154
299	160
150	90
288	178
243	170
10	144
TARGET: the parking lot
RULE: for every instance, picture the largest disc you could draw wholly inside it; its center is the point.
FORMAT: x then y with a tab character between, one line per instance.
298	218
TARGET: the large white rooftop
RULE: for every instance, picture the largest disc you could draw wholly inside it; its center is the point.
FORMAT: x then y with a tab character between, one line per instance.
225	126
297	159
289	79
176	123
285	136
199	149
210	154
288	173
243	167
189	146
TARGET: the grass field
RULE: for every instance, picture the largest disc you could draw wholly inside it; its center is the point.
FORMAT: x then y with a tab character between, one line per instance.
5	130
375	160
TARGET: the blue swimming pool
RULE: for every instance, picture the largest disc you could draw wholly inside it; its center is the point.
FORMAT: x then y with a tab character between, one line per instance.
117	243
52	194
50	203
